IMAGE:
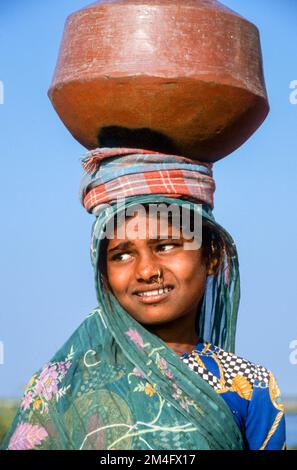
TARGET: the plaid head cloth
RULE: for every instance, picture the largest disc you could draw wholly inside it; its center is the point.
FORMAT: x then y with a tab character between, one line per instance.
112	173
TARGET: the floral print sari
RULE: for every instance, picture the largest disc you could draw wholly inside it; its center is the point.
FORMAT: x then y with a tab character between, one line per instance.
114	385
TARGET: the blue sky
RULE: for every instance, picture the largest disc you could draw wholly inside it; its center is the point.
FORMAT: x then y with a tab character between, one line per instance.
47	285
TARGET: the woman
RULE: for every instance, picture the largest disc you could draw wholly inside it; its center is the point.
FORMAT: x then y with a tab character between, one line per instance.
153	370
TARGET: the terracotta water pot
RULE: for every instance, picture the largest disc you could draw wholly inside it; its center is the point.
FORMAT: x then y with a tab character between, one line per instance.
188	71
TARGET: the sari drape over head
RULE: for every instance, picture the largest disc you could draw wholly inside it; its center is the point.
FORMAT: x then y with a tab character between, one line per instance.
114	384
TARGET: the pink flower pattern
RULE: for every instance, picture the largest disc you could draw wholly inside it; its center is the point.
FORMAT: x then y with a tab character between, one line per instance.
163	367
137	372
27	436
135	337
44	387
27	400
169	373
48	381
163	363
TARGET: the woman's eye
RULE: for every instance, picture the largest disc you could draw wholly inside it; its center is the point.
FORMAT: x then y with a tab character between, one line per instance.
121	256
167	246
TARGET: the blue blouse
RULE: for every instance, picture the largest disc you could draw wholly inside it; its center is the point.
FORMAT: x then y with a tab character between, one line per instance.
250	391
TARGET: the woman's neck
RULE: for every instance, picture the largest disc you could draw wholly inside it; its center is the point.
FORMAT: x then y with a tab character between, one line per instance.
179	335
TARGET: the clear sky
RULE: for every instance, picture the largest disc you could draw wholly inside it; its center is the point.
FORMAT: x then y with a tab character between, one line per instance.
46	278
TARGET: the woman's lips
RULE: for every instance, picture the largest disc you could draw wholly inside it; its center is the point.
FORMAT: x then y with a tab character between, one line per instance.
152	299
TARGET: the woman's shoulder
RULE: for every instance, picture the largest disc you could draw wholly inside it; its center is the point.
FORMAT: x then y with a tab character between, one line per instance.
54	377
235	365
249	389
227	371
52	385
89	335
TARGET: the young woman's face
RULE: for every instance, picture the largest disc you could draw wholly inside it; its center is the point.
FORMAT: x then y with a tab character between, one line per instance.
132	269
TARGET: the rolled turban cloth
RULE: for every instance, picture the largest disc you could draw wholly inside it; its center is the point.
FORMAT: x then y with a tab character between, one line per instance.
113	173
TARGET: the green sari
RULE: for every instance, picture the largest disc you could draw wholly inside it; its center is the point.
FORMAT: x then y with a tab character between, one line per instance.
115	385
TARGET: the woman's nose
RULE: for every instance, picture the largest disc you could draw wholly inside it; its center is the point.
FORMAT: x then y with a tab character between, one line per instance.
146	267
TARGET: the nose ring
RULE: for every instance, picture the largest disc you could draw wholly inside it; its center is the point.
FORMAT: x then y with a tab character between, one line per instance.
159	276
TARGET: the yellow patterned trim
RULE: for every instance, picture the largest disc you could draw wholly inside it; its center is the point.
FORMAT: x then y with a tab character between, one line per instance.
222	377
206	348
197	357
275	398
242	386
272	430
222	380
275	395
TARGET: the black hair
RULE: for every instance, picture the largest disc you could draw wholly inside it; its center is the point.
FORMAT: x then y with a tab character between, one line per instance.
144	138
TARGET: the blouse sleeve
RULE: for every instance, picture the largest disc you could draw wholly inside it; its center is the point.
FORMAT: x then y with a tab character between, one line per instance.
265	423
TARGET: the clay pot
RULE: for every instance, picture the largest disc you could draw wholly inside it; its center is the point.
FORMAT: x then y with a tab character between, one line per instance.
187	70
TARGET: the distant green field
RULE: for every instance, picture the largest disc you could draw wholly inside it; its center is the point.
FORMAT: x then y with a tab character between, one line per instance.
8	409
7	412
290	405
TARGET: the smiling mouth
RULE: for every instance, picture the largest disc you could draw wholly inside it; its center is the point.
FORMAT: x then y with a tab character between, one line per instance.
154	295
